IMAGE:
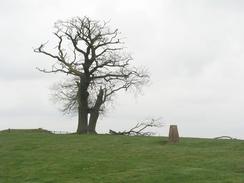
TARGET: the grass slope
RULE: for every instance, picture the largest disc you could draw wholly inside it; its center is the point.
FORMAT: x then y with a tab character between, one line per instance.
39	157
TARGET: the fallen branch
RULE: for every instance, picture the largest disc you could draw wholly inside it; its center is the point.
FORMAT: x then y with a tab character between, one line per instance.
225	137
139	129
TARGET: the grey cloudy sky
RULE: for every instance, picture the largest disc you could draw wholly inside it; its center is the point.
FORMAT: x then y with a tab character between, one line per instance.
194	51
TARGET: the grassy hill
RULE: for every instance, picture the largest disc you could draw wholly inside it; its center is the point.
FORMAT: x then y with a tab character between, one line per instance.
43	157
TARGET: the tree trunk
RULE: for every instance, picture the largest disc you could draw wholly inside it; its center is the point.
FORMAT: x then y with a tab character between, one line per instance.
93	122
82	108
173	134
82	121
95	112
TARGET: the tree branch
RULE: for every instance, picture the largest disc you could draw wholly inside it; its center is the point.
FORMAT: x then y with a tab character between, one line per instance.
138	129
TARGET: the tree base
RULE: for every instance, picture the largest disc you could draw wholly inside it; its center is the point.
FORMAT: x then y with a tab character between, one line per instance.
86	132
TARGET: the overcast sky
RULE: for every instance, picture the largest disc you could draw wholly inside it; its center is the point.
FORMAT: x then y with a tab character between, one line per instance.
194	51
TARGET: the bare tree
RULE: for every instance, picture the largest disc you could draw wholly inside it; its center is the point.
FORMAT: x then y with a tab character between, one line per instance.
96	64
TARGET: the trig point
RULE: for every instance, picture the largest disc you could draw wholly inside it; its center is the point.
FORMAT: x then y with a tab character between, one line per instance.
173	134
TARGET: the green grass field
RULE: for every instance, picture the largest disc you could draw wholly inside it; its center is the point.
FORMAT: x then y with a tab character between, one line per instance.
40	157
